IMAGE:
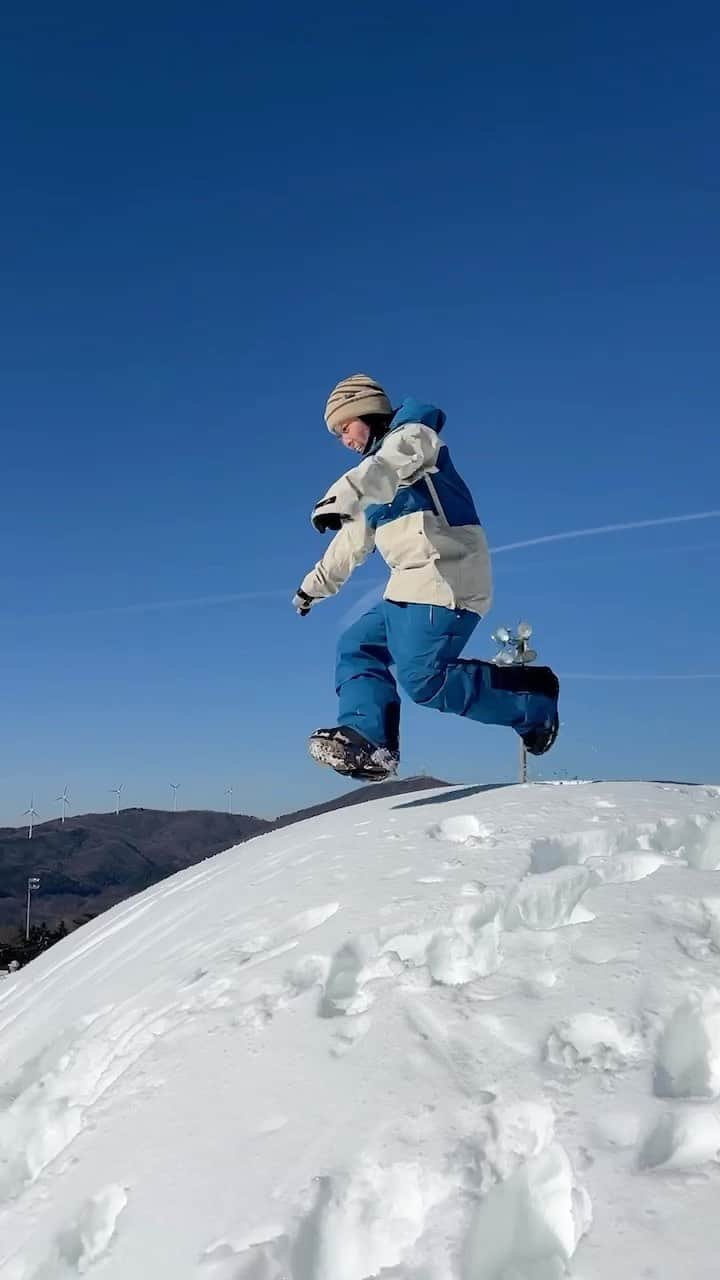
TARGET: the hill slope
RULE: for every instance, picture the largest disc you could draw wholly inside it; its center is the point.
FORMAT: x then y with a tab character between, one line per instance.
95	860
472	1035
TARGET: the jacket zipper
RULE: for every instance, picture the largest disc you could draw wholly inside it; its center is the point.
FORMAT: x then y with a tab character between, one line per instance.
435	500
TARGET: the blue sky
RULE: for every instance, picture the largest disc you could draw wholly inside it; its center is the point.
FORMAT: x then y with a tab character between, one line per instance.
210	215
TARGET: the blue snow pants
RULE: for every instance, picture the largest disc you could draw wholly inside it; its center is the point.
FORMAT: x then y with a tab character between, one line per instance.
423	643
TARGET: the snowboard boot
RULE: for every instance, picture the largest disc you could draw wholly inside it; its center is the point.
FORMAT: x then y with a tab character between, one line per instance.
350	754
541	737
536	680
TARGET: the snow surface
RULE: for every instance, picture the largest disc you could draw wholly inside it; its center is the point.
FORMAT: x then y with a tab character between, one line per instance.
471	1035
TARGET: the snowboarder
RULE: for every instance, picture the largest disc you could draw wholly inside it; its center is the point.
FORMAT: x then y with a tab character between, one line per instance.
407	499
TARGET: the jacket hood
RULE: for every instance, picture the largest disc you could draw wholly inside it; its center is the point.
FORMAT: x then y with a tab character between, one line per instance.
411	410
414	410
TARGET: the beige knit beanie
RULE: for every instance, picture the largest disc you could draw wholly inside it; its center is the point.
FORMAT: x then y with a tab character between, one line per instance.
353	398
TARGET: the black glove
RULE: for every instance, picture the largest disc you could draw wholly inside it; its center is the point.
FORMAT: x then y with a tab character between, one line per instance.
302	603
322	519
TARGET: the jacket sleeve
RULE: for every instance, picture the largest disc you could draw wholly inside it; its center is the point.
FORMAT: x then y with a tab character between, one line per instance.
348	549
404	456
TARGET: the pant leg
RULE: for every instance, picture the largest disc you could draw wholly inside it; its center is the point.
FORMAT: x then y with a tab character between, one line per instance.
368	695
426	641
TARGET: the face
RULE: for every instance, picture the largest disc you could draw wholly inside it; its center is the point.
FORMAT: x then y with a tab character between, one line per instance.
355	434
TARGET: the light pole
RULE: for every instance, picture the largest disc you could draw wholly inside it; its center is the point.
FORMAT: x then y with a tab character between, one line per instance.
515	652
33	885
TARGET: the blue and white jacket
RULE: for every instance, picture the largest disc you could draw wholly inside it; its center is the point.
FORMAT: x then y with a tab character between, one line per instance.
407	499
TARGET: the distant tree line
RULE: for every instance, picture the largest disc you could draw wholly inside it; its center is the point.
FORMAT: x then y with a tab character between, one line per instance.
20	950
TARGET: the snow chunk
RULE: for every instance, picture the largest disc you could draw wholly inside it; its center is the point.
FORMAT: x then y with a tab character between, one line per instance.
625	868
596	1040
463	828
534	1214
531	1225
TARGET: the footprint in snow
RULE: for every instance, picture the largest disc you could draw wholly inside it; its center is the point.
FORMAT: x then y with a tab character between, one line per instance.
682	1140
695	923
460	1058
344	992
263	1255
77	1247
594	950
631	852
376	1216
51	1101
687	1063
284	936
551	900
472	889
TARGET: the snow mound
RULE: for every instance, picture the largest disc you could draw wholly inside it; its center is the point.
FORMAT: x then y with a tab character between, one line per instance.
470	1037
462	828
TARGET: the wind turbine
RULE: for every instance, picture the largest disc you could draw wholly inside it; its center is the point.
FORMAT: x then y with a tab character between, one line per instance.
64	801
31	813
228	793
515	651
174	788
116	792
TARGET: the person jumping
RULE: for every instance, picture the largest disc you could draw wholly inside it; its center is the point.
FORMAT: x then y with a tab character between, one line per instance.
407	499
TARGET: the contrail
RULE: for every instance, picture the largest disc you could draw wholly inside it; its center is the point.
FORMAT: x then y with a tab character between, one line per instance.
187	602
156	606
374	593
369	596
636	675
606	528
